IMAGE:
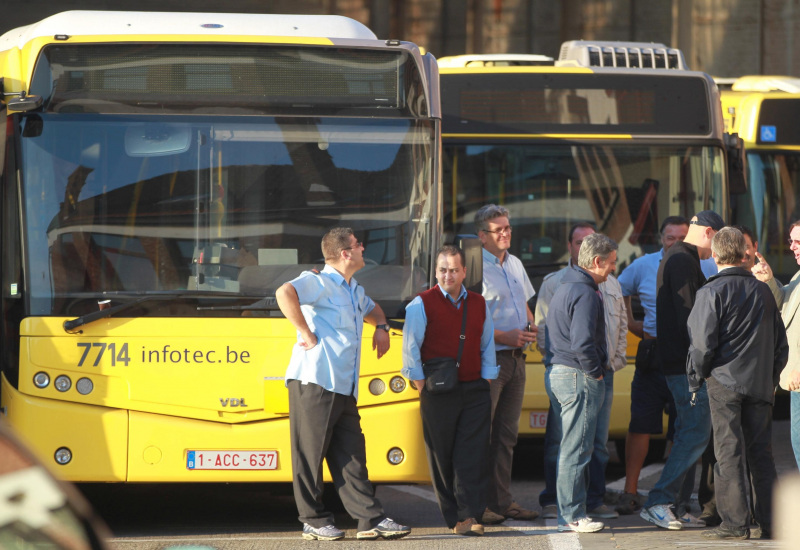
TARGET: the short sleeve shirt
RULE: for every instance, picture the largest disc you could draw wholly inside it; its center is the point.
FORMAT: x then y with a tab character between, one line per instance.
639	278
335	313
506	289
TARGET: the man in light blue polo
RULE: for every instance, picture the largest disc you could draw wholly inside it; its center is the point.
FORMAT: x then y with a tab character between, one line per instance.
506	289
328	309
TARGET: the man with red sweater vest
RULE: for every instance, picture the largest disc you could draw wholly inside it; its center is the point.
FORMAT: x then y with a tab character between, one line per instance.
455	424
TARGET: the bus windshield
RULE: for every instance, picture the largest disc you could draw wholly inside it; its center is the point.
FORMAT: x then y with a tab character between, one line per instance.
625	189
771	204
142	204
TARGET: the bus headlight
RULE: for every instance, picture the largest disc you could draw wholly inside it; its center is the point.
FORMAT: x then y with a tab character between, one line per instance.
377	386
395	456
62	383
41	380
397	384
63	456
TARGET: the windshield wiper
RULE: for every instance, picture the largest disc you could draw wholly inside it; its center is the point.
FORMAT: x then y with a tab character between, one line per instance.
72	324
264	304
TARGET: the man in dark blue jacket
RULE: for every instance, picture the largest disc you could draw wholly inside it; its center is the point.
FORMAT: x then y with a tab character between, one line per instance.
738	346
576	336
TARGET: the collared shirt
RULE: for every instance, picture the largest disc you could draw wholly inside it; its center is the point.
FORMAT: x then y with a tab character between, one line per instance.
414	334
549	285
616	319
639	278
506	289
335	313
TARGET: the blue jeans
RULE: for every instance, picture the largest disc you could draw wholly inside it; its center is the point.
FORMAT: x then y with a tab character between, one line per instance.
597	465
577	400
692	432
794	403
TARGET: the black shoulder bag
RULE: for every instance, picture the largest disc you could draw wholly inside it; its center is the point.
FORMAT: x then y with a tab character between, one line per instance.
441	373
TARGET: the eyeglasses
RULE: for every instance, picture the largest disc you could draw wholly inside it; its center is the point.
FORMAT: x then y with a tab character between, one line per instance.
359	244
502	231
793	242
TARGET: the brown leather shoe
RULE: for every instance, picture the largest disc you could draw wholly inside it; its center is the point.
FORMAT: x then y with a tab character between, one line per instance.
491	518
515	511
468	527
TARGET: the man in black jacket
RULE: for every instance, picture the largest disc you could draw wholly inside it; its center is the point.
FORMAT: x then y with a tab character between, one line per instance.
738	345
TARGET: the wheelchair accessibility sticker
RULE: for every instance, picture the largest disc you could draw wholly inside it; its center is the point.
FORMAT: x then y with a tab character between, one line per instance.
769	134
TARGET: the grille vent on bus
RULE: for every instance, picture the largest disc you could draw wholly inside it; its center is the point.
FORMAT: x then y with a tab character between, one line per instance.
632	55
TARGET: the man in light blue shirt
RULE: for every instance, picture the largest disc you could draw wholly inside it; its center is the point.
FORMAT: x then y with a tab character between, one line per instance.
328	309
507	289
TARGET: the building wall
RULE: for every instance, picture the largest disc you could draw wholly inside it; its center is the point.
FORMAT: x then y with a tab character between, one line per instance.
721	37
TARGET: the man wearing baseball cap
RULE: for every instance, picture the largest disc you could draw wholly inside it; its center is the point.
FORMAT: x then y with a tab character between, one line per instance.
679	278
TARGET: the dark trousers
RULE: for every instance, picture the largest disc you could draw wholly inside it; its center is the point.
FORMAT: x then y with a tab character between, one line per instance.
706	495
507	391
456	430
741	422
326	425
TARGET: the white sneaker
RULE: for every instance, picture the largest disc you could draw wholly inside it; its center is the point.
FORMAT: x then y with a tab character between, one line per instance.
661	515
583	525
691	522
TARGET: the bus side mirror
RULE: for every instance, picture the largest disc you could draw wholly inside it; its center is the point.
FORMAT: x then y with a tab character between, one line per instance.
737	178
24	103
473	254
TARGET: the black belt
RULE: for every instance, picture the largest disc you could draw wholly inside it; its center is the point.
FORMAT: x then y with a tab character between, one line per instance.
515	353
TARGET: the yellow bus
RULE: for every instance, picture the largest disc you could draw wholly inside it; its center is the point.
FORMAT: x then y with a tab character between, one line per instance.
764	111
618	134
162	174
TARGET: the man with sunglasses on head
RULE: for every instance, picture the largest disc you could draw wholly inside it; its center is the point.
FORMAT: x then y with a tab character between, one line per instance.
328	309
507	289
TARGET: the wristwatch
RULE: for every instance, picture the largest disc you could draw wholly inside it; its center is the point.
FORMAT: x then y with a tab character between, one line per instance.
385	327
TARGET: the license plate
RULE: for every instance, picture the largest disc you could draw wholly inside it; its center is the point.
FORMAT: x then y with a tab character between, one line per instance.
539	419
232	460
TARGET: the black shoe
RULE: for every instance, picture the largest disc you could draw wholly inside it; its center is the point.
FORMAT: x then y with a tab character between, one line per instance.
711	520
726	533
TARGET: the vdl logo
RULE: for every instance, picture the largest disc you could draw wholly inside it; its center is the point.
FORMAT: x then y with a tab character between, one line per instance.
232	402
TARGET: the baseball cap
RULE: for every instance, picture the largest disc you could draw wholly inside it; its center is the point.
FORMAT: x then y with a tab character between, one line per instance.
709	218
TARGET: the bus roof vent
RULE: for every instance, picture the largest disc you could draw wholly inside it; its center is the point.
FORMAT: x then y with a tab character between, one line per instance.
630	55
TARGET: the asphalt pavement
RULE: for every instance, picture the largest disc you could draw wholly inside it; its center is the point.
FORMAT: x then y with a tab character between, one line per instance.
252	516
